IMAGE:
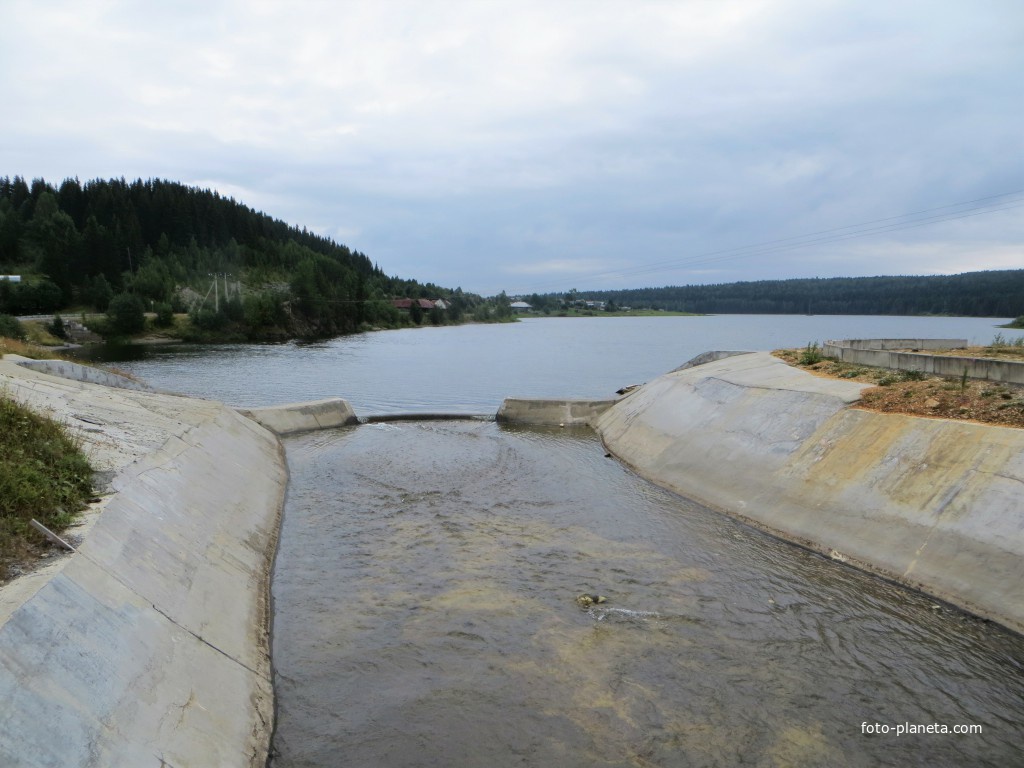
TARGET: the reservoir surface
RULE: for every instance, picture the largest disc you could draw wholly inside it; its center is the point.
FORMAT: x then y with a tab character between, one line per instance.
426	615
472	368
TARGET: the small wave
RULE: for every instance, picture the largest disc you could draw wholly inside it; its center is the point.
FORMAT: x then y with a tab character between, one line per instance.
602	613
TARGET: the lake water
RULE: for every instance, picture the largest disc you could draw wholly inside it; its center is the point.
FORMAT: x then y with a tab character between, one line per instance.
425	585
473	367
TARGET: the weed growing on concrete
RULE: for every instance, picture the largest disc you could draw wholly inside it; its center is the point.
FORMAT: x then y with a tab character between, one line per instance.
811	354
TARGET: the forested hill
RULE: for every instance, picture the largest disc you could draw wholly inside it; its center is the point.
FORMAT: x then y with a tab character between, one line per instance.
972	294
81	244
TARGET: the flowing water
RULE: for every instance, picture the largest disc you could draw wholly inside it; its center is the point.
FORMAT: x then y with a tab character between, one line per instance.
425	588
426	615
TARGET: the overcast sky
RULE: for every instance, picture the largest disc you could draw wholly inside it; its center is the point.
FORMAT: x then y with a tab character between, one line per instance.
543	145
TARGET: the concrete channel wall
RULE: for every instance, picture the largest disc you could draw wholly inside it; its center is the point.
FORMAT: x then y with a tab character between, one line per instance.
914	344
149	644
77	372
880	354
303	417
931	503
710	357
555	413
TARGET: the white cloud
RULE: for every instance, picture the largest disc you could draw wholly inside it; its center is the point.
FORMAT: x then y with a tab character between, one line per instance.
452	137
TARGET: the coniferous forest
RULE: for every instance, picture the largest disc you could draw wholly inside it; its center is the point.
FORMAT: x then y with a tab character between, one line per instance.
159	245
998	293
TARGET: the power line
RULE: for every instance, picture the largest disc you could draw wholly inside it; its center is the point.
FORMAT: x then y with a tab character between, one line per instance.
799	241
794	238
966	209
697	261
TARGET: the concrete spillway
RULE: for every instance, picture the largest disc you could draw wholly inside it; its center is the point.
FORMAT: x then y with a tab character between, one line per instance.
149	644
931	503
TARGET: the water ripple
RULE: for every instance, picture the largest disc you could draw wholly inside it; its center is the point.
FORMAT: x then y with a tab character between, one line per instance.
426	614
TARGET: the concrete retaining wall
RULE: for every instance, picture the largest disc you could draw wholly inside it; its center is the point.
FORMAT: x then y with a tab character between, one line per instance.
542	412
877	353
931	503
303	417
900	343
149	645
76	372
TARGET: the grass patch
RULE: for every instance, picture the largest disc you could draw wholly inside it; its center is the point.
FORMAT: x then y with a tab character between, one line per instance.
898	376
9	346
43	475
39	334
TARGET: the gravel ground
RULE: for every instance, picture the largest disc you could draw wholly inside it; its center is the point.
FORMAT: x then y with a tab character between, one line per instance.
986	402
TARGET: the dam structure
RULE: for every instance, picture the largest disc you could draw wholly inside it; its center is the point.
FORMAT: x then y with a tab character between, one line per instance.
149	643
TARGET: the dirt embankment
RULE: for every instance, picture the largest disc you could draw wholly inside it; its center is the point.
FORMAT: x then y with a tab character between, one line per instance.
918	394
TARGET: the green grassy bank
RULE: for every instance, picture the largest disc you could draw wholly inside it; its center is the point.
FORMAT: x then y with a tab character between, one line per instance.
43	475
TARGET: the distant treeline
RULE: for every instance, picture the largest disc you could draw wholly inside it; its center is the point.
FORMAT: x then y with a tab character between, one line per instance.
972	294
82	244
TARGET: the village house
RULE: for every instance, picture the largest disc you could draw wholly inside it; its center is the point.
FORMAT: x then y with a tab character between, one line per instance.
406	304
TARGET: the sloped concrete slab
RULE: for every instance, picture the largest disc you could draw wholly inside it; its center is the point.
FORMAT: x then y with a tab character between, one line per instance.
934	504
149	644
